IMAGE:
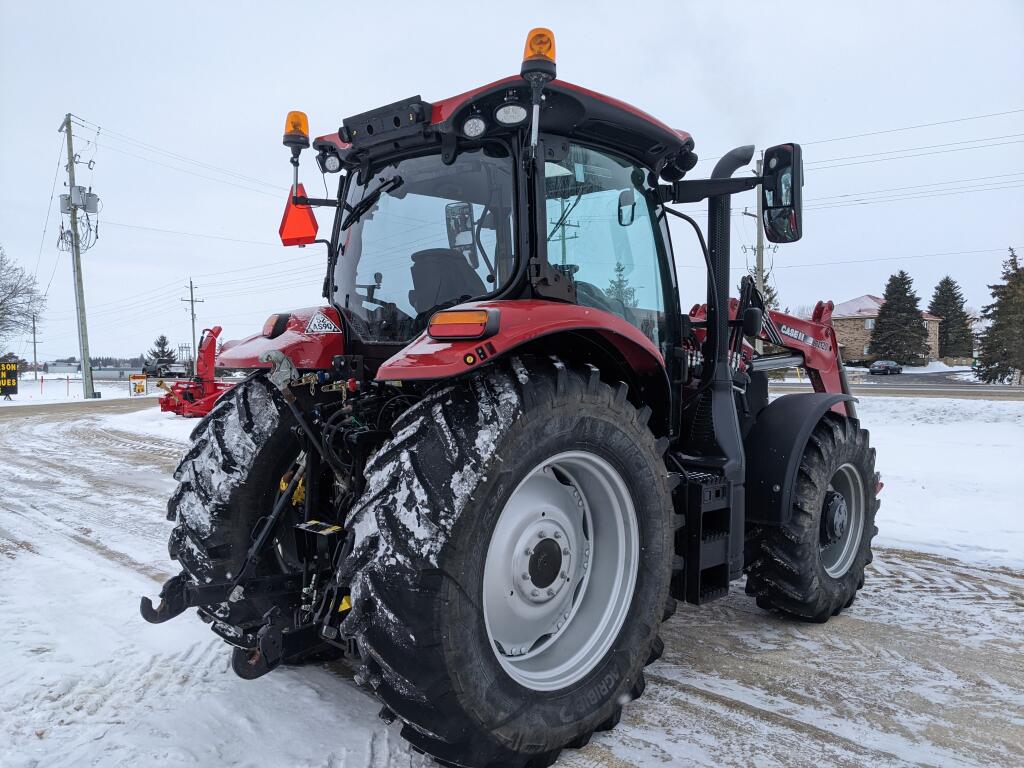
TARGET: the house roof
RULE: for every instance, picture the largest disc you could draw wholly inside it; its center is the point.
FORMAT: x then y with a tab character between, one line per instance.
866	306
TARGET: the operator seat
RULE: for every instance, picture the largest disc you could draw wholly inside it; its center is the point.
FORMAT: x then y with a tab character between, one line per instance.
441	275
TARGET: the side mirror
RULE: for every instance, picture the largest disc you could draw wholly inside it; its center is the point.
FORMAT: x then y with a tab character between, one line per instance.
782	193
627	207
753	318
459	220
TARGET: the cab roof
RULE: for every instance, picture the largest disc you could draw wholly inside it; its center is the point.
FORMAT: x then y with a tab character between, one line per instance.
569	110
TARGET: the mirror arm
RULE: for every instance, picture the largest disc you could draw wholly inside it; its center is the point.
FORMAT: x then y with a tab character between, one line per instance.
695	190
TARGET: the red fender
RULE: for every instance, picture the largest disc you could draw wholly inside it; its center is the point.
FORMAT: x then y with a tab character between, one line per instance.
520	321
309	337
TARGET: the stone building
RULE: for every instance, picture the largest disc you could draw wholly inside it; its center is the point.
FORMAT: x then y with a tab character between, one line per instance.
855	319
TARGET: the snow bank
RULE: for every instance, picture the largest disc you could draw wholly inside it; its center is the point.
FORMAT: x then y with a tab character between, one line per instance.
936	366
951	470
58	389
152	422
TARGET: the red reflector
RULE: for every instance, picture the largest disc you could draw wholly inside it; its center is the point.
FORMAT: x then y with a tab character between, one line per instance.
298	225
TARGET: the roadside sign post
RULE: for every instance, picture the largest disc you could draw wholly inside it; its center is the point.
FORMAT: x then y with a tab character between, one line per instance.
137	384
8	380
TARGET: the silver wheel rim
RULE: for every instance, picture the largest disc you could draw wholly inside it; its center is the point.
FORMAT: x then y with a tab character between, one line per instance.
560	570
839	550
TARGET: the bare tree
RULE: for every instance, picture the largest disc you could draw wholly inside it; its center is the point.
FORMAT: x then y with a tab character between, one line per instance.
19	297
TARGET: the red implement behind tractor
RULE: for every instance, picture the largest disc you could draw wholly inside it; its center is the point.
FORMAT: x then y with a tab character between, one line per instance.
195	397
492	463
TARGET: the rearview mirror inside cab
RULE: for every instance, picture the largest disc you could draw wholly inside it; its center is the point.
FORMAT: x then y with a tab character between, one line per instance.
461	230
627	207
782	193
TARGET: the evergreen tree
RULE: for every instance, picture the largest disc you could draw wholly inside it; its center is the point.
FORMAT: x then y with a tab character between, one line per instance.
955	327
1002	344
770	295
899	333
161	351
619	287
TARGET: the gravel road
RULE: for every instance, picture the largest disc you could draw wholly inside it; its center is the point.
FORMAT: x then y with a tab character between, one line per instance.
925	668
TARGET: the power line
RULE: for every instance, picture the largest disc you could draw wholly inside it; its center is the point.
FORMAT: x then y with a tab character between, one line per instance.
914	127
895	130
49	206
914	149
917	186
901	198
117	136
190	234
190	173
919	154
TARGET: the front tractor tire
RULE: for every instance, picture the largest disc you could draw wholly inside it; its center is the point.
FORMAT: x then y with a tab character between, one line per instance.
812	566
512	564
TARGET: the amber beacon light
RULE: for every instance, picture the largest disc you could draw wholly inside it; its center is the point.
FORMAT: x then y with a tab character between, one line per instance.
539	53
296	130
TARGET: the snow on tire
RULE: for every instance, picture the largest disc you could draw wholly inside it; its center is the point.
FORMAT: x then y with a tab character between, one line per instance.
227	480
425	531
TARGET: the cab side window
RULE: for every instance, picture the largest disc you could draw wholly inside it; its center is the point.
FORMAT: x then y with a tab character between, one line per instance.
600	227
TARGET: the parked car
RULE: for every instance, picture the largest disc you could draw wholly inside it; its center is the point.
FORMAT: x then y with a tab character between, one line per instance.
887	367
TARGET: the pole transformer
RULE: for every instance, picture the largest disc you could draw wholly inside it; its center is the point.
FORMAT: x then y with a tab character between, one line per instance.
88	391
192	301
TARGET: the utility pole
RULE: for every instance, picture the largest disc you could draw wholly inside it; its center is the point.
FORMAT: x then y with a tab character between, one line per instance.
35	359
759	274
561	233
192	301
76	262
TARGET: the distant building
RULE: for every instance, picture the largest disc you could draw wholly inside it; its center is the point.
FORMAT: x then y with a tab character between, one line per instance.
855	319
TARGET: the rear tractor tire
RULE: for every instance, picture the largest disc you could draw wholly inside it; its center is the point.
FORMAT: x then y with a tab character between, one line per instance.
812	566
512	563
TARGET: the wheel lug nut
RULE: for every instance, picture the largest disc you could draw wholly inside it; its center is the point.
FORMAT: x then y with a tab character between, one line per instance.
526	577
565	575
558	535
534	593
529	552
541	535
560	624
565	550
551	593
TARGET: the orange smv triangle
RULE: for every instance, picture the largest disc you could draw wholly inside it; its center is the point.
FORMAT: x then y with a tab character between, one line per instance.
298	225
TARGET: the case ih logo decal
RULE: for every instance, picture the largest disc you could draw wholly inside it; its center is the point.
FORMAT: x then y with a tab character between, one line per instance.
320	323
793	333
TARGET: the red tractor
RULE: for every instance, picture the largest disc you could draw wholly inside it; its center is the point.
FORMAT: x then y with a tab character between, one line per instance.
195	397
495	459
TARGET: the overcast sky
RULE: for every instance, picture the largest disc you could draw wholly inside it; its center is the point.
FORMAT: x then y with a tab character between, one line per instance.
212	82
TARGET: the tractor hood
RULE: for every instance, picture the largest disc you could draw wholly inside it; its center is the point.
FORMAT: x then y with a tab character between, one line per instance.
309	337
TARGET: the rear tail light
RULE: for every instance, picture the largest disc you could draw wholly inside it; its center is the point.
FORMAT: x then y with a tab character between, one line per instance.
464	324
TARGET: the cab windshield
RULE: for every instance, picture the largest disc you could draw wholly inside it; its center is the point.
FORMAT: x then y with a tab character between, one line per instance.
437	236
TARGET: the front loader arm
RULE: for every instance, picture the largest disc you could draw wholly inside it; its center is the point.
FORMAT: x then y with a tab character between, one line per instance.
812	342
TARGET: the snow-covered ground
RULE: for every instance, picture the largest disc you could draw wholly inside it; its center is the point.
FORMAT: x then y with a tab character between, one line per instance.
64	389
923	669
950	468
